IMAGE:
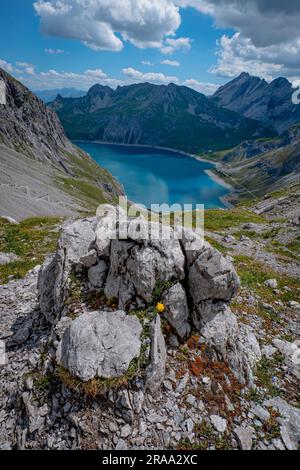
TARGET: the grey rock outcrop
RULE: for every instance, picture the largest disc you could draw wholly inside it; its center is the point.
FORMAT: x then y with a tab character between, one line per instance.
137	265
232	343
97	274
211	279
291	354
196	285
74	244
177	312
100	344
244	436
289	420
6	258
155	373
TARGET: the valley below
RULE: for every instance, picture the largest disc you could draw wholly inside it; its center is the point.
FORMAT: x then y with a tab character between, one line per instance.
159	176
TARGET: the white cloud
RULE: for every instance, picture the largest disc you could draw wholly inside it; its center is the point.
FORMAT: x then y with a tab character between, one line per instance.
6	66
202	87
26	68
54	51
23	64
135	76
106	24
172	63
237	54
153	77
267	38
180	44
146	62
55	79
265	22
29	70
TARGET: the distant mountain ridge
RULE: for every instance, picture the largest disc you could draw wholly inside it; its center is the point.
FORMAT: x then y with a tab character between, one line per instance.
158	115
50	95
254	98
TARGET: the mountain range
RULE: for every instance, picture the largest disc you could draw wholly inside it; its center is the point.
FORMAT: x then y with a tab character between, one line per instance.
49	95
159	115
254	98
41	171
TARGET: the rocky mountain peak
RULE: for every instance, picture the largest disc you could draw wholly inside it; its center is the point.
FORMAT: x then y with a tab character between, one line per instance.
99	90
255	98
26	122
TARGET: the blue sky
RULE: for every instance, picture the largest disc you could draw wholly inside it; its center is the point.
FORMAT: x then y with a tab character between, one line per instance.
49	44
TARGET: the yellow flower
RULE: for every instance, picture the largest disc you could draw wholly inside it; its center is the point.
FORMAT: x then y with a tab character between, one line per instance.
160	307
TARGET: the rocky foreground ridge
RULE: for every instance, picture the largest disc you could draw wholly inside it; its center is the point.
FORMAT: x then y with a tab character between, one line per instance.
131	343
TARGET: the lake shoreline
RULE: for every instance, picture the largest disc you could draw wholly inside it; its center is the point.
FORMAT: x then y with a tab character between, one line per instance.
217	179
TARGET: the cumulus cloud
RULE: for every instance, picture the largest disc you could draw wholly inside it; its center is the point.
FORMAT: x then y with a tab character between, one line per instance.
146	62
6	66
52	78
153	77
180	44
202	87
266	41
267	38
106	24
265	22
29	70
171	63
23	64
135	76
237	54
26	68
54	51
59	79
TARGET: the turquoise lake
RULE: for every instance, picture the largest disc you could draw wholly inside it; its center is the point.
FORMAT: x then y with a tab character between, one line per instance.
152	176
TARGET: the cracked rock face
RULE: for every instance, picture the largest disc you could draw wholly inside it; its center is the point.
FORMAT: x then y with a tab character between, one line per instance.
100	344
137	265
156	370
211	279
177	312
76	240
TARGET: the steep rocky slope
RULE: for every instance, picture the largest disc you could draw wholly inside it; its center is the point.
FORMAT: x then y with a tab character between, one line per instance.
270	103
178	391
42	173
257	167
167	116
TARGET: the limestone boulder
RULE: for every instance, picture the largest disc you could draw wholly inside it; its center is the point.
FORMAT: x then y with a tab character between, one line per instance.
100	344
176	309
156	370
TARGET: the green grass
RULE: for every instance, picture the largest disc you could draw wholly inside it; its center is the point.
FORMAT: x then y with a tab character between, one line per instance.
217	245
88	194
205	437
32	240
266	370
218	219
294	246
253	274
